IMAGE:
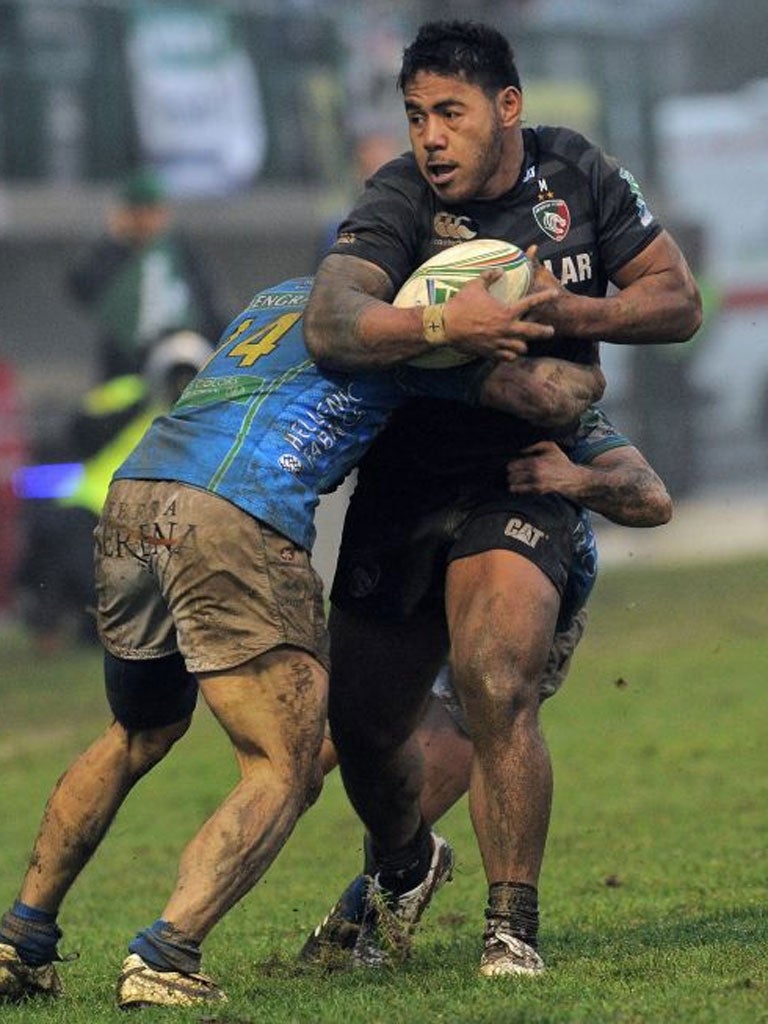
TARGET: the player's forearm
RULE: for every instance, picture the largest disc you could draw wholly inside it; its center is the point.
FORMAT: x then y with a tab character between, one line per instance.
652	311
627	495
545	391
658	302
349	324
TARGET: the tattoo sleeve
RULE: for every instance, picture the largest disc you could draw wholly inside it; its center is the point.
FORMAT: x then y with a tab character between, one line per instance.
350	323
623	487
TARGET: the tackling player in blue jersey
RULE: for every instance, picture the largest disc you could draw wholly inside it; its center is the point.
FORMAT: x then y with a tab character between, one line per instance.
204	583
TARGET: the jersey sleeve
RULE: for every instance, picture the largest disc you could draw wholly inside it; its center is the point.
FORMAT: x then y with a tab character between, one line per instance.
594	435
382	225
624	221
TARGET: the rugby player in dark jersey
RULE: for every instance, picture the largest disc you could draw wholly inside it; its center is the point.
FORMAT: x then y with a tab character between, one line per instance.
609	475
474	171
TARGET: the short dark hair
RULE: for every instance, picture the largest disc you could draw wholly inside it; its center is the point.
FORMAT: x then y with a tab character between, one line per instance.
461	49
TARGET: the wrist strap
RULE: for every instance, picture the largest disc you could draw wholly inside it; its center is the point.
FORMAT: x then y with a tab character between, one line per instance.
433	323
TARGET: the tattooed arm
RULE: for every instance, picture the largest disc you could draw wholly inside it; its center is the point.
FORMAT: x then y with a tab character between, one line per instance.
350	323
543	390
619	484
657	301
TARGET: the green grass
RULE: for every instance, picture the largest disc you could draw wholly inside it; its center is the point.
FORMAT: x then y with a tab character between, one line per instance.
654	894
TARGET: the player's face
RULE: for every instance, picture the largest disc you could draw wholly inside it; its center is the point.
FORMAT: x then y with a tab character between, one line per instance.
460	137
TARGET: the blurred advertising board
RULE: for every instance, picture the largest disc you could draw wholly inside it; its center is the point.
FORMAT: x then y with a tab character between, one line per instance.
196	100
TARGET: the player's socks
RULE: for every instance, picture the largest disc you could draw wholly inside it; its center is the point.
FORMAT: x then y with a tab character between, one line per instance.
517	905
167	949
370	867
33	934
403	869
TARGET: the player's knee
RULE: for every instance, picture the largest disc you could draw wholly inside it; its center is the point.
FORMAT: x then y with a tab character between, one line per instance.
362	742
147	747
496	692
362	730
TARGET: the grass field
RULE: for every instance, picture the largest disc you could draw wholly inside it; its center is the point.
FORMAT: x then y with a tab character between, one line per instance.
655	889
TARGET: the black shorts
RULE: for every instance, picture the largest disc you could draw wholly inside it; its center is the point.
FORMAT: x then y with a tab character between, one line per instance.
398	540
149	694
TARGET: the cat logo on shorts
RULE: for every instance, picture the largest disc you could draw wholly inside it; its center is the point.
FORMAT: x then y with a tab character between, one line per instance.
526	533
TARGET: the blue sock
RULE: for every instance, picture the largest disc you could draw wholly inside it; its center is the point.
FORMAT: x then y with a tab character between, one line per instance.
28	913
33	934
167	949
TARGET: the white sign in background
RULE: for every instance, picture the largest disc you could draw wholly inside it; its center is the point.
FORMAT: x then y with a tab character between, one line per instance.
713	158
197	101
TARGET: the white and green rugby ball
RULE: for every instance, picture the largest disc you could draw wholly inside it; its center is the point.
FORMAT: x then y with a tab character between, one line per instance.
441	276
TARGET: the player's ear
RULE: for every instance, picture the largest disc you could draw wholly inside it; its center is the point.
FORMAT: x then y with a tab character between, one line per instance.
510	104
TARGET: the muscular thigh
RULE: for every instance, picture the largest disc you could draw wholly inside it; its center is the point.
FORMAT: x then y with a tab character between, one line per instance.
381	674
507	572
272	706
502	611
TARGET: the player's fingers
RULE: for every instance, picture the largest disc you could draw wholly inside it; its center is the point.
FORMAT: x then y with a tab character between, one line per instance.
531	330
534	299
509	349
543	278
488	277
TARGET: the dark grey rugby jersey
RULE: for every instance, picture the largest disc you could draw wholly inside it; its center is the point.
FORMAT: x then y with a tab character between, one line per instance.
585	213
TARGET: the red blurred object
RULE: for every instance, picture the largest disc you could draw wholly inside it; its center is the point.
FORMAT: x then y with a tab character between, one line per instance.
13	451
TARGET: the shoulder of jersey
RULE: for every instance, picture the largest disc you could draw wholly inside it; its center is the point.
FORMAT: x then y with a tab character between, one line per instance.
562	141
402	175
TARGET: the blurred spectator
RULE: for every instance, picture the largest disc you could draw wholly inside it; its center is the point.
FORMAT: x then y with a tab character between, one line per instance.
13	449
55	580
371	148
142	279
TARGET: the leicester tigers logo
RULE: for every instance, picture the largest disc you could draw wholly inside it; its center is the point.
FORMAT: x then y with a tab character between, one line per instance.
553	217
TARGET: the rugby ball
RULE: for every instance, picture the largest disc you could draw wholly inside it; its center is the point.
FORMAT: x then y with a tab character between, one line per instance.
441	276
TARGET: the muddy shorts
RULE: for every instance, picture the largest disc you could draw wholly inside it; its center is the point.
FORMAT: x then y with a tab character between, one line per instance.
180	569
395	549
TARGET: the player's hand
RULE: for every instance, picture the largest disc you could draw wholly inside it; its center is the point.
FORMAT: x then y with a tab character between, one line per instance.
477	323
562	308
543	468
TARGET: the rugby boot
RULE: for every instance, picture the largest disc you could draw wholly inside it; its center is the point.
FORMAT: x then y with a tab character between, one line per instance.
505	954
389	921
20	981
338	931
142	985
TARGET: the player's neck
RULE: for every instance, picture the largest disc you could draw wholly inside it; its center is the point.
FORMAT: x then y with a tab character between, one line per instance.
510	165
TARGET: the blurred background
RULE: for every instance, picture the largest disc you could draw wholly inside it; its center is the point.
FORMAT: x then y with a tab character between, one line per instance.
224	139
